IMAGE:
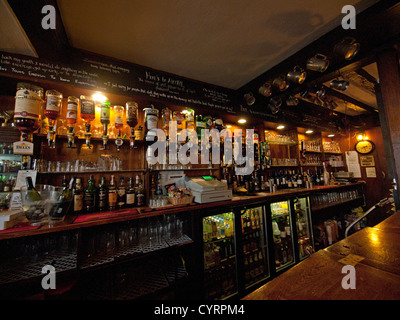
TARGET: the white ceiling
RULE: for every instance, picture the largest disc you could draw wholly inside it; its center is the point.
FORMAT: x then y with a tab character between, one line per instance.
225	43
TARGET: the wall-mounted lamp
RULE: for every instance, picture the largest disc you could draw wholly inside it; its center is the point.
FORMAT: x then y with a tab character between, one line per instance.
347	47
297	75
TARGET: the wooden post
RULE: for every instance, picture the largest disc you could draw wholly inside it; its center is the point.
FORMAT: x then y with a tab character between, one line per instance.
389	104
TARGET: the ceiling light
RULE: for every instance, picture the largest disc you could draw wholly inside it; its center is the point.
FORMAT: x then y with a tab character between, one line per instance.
309	131
280	127
98	97
318	63
228	126
297	75
339	84
347	48
331	135
242	121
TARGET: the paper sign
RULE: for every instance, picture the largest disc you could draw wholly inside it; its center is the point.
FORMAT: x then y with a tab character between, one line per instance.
370	172
15	201
21	178
353	164
367	161
351	259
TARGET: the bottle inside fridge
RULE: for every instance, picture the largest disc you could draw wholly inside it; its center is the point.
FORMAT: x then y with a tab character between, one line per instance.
219	256
282	234
254	246
303	226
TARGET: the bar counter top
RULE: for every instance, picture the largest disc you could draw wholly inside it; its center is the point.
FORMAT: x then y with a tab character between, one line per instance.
70	223
320	276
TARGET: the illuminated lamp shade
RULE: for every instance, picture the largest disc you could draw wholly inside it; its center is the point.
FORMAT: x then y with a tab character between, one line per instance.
309	131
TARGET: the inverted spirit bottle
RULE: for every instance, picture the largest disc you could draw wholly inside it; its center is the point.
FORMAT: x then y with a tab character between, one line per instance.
52	111
105	121
87	114
119	123
132	120
72	115
28	102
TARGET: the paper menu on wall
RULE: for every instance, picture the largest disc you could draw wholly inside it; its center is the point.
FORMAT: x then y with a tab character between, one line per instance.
352	163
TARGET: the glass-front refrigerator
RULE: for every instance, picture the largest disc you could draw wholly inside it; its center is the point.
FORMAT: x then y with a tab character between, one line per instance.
282	231
220	263
303	227
254	246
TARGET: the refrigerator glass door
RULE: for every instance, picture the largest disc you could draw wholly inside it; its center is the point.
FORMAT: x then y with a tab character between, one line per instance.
303	225
219	256
254	246
282	234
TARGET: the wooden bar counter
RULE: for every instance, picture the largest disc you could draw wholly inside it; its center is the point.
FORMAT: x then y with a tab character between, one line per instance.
320	276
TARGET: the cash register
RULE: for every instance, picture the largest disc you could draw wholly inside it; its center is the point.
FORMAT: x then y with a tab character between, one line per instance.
206	189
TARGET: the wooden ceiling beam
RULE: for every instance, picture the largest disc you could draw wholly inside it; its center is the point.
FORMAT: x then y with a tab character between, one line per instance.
347	98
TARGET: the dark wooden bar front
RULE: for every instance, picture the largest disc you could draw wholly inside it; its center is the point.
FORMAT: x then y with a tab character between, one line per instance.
320	276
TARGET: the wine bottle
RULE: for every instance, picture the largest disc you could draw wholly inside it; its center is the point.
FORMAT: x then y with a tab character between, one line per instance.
32	194
103	195
89	198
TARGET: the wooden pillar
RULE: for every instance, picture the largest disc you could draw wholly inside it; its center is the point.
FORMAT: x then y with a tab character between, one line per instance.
389	103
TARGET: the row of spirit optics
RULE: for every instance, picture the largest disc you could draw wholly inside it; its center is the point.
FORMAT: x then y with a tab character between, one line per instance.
347	47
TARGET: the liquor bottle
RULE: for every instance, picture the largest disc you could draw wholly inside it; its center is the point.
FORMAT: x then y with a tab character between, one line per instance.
105	121
72	115
208	122
218	124
130	194
31	193
121	193
189	119
102	195
200	126
78	197
119	124
150	122
132	120
52	111
87	114
112	194
299	180
28	101
140	197
89	199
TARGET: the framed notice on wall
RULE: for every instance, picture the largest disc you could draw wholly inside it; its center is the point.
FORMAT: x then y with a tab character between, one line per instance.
367	161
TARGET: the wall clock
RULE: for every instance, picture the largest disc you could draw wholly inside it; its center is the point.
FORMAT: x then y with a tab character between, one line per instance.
364	146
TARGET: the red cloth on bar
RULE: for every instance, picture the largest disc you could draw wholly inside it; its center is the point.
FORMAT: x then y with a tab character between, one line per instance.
20	227
104	215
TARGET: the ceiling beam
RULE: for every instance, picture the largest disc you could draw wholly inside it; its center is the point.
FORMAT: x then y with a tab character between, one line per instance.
347	98
49	44
367	76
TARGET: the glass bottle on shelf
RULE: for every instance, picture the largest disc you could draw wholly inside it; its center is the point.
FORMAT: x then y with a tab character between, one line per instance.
105	121
112	194
132	120
89	199
189	117
28	102
72	115
103	195
119	123
78	197
121	193
130	194
52	111
166	115
140	198
88	115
